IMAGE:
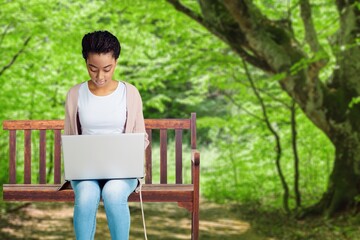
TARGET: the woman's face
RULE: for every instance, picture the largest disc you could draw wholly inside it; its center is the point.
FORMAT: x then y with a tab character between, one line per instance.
101	68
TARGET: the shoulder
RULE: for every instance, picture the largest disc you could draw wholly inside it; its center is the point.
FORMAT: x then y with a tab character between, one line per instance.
129	86
74	91
131	89
75	88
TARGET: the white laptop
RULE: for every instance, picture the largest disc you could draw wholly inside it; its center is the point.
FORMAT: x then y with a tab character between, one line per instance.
103	156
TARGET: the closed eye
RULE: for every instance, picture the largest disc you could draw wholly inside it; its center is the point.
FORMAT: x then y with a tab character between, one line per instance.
107	69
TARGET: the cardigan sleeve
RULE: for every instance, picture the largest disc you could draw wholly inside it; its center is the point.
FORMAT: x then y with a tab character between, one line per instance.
70	124
67	121
135	118
140	122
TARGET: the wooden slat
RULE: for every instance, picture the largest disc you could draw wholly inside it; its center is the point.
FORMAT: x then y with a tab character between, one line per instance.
193	130
57	156
27	156
59	124
42	157
167	123
12	156
148	155
48	192
178	155
163	156
33	124
164	193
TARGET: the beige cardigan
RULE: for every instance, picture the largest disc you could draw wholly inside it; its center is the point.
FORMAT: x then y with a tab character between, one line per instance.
134	119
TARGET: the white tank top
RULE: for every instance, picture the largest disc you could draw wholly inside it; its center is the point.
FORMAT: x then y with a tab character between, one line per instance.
102	114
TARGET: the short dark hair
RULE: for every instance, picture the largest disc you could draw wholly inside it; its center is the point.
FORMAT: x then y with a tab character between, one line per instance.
100	42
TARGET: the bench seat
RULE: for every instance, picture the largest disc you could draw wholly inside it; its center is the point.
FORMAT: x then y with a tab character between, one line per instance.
49	192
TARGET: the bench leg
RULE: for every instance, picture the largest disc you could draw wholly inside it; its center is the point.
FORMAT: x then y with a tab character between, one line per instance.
195	222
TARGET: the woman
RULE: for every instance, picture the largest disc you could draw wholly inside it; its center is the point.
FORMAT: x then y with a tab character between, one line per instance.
102	105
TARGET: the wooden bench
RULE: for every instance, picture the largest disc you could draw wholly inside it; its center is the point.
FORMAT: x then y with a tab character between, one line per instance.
185	194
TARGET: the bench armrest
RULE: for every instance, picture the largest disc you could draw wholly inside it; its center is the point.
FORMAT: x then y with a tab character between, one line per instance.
195	157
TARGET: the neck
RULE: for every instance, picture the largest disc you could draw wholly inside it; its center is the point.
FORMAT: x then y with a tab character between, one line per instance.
104	90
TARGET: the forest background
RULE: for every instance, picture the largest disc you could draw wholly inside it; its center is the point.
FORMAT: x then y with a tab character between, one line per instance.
179	67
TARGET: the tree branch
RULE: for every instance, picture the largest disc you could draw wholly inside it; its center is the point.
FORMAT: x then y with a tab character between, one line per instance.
264	92
256	62
181	8
340	4
228	38
233	101
15	56
296	155
277	140
4	33
193	15
265	37
312	40
310	33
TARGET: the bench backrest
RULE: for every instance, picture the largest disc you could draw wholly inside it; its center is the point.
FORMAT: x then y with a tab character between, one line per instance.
56	127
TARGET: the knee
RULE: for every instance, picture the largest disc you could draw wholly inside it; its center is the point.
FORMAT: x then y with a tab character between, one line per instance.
86	192
117	191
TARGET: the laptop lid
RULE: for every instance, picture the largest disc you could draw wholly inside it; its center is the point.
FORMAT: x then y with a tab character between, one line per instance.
103	156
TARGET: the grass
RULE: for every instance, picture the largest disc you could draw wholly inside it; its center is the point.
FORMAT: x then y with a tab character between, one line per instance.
276	225
168	221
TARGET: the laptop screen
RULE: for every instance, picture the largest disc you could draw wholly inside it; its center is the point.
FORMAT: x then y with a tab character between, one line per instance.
103	156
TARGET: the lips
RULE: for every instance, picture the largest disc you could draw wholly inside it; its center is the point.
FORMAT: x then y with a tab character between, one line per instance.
100	82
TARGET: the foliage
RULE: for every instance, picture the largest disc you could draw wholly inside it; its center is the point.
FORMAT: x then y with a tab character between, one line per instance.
178	67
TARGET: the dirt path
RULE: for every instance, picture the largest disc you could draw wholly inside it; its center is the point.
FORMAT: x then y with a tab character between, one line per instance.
164	221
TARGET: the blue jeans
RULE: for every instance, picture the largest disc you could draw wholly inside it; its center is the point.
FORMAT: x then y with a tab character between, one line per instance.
115	195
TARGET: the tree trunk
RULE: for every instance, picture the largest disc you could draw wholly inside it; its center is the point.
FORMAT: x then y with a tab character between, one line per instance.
344	182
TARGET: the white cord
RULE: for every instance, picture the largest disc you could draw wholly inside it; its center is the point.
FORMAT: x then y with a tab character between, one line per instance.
142	212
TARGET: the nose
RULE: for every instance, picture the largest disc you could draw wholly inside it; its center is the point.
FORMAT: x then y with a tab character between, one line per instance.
100	75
